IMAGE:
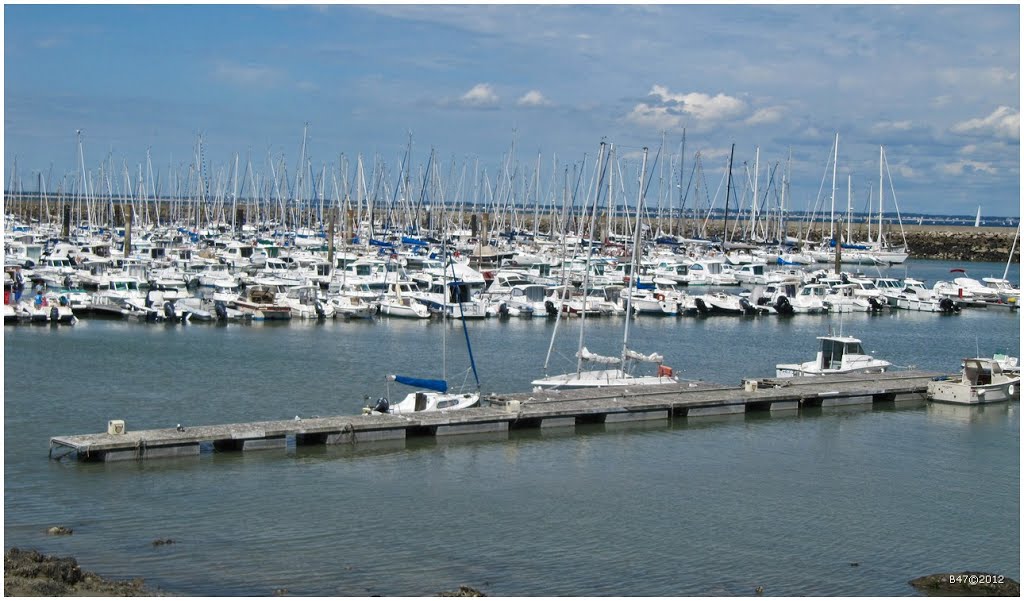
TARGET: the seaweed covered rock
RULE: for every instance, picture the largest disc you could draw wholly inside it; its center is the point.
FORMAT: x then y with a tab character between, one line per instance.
967	584
29	573
464	591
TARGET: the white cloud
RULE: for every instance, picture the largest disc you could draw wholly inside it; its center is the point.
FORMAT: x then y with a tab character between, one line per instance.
889	126
962	166
247	75
533	98
480	95
1004	122
702	106
969	149
771	114
654	117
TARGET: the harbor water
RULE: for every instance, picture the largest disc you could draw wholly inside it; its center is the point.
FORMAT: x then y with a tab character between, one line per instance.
846	501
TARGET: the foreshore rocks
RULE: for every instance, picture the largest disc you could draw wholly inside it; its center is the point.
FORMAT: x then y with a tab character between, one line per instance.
464	591
966	584
29	573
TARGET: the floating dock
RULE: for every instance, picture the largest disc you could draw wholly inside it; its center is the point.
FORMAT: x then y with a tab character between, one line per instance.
545	409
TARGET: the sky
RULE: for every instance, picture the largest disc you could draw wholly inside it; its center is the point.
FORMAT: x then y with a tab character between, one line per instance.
488	88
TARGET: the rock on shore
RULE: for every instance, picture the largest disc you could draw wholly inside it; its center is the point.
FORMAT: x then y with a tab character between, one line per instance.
966	584
29	573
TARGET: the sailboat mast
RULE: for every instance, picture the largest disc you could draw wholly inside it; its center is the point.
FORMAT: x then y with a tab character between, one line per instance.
832	212
633	268
1012	248
753	205
881	191
849	206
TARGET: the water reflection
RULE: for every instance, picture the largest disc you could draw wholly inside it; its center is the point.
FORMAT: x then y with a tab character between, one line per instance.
969	414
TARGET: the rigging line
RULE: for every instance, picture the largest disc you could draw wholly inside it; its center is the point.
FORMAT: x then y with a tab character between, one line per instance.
465	330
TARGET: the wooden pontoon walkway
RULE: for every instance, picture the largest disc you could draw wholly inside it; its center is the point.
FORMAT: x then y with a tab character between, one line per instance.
505	412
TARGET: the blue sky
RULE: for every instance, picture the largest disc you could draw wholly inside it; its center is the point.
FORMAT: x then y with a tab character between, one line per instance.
938	86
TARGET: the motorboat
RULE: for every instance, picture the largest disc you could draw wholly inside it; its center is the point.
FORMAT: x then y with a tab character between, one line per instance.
916	297
260	301
305	303
400	301
836	355
981	380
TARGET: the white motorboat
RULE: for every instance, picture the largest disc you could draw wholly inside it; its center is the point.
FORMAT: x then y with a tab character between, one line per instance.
399	301
915	297
305	303
981	380
836	355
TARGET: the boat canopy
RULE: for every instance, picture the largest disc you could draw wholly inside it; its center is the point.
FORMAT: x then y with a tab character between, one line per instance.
438	385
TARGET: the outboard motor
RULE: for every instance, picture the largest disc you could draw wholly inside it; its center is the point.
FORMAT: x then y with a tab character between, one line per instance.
783	306
319	310
748	309
382	405
876	305
763	300
550	306
948	306
221	309
503	310
702	307
169	310
54	314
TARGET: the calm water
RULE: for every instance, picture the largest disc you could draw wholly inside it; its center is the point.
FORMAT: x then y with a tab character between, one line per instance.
710	506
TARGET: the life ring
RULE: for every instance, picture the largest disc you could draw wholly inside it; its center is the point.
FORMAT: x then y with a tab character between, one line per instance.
659	296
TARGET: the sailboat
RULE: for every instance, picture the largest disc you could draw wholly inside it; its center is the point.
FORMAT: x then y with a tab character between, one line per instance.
616	376
433	394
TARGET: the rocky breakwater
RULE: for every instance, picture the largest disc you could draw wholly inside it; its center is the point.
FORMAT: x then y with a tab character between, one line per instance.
961	243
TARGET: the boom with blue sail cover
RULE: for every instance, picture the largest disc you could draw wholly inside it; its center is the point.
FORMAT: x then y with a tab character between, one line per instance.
437	385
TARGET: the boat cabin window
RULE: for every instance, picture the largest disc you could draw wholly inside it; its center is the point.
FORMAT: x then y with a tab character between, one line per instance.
832	352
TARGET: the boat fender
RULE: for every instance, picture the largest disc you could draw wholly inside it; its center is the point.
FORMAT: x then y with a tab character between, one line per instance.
169	310
659	296
1011	389
54	313
220	309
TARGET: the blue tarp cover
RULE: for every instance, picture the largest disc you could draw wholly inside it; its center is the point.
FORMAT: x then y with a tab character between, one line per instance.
413	241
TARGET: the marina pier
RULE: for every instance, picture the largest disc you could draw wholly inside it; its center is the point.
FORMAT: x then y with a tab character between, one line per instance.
538	409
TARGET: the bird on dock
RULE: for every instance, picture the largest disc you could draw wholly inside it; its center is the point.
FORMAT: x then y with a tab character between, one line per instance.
180	428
